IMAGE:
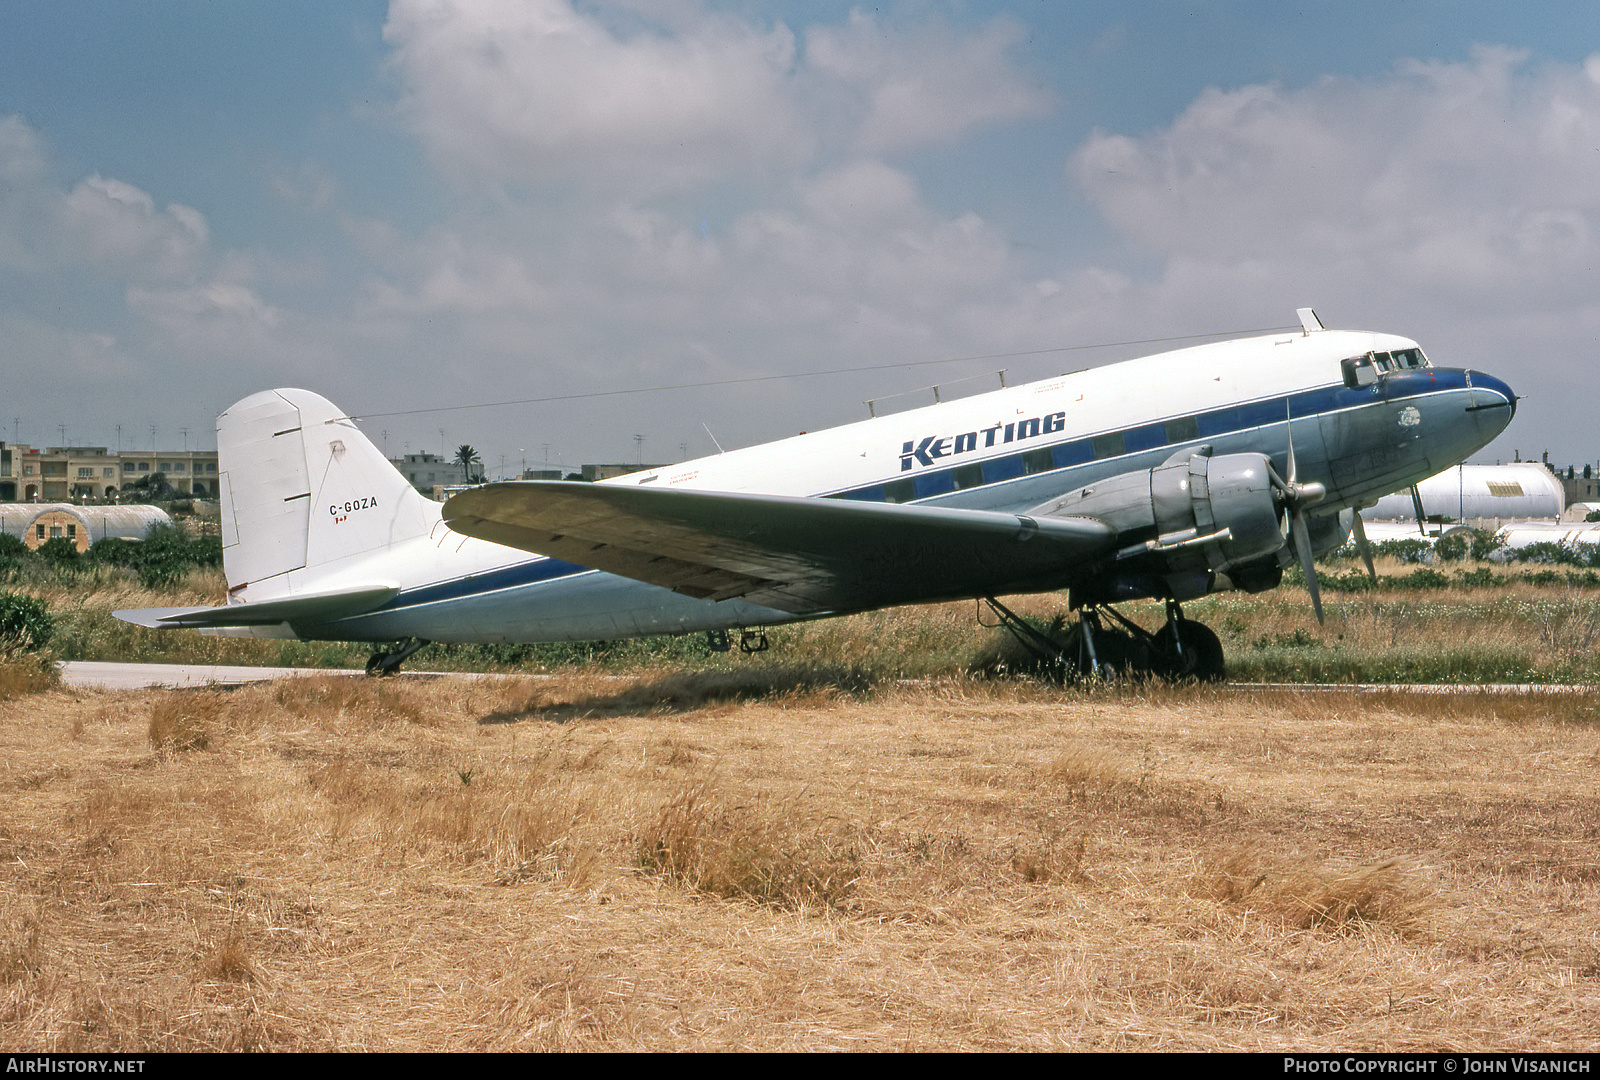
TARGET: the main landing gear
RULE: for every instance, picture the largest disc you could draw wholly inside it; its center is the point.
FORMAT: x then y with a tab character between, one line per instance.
387	663
1106	644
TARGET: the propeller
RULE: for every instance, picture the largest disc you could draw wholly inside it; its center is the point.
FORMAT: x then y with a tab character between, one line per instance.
1362	546
1294	495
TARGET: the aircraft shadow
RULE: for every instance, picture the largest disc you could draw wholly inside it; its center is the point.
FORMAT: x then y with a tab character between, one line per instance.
689	692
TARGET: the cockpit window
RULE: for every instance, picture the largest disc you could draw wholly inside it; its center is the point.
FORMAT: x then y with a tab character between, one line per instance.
1410	359
1359	371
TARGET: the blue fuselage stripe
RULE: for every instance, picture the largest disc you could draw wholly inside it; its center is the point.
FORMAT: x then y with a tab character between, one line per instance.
1046	457
531	572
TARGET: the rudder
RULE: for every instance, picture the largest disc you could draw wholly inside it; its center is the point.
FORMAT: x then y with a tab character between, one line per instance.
303	492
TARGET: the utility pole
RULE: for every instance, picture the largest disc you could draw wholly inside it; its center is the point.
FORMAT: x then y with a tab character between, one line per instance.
638	449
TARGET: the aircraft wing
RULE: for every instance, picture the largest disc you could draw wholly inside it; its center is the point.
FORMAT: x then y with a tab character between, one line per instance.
801	555
310	608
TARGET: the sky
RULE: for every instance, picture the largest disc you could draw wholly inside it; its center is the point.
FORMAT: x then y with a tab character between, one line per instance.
493	222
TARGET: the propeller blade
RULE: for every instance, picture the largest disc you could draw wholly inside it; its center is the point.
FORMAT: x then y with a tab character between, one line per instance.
1302	543
1416	503
1288	429
1362	546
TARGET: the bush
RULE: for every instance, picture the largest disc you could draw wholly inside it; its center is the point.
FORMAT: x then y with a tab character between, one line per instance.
1484	542
58	549
1406	552
1453	548
1545	552
113	551
164	556
25	623
12	547
207	551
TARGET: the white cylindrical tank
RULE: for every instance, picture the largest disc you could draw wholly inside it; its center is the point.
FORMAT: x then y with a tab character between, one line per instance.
1520	536
1523	490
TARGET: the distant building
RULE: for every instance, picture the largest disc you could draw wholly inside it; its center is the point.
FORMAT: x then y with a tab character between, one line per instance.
1580	485
35	523
427	471
96	474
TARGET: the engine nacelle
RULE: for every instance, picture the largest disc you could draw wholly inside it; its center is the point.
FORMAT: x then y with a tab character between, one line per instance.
1188	519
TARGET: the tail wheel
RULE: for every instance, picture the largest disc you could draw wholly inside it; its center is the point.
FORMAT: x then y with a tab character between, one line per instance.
1200	657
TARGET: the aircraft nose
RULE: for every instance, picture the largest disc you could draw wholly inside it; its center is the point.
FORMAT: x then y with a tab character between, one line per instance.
1488	385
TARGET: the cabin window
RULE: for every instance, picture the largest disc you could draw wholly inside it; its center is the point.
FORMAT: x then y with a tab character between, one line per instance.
1109	445
1184	429
969	476
899	491
1038	461
1359	372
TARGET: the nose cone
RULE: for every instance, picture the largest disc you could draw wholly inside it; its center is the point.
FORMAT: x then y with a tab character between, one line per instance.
1502	394
1492	406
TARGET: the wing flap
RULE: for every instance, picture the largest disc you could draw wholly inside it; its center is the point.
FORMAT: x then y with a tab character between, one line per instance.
801	555
309	608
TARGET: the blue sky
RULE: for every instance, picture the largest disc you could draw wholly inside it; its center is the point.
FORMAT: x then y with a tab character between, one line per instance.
444	202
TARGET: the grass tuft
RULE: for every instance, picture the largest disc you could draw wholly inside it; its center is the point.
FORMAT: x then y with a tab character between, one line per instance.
230	960
701	841
1389	894
27	675
185	720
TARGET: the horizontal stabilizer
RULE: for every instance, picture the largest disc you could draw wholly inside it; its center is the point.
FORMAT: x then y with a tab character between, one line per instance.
800	555
312	608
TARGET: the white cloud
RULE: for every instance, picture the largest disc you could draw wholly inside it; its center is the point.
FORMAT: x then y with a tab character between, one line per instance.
117	227
1474	179
529	90
522	92
180	309
928	84
102	224
609	125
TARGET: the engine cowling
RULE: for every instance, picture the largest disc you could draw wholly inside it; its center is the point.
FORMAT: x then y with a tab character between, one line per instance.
1194	524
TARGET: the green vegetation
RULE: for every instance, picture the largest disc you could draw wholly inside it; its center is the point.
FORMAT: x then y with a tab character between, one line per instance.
26	665
1448	620
160	561
25	624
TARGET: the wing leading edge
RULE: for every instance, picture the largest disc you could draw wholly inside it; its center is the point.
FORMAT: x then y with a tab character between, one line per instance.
800	555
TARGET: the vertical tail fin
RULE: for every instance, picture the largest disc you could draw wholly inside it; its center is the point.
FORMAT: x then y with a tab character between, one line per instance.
303	493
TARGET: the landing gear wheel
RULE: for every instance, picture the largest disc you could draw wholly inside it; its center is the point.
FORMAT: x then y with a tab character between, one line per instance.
388	663
1200	657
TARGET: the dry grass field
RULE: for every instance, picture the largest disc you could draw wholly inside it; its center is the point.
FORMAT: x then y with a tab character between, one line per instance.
771	858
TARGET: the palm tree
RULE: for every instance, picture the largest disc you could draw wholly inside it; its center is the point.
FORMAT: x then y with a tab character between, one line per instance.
466	457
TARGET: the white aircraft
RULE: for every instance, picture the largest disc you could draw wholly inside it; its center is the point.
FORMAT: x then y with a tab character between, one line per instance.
1168	477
